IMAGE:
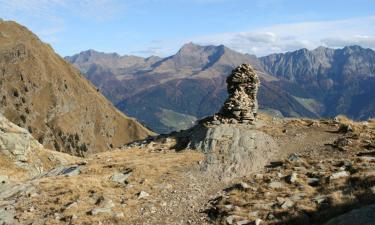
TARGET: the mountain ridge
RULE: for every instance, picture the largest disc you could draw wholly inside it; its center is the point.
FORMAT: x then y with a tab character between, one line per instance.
295	83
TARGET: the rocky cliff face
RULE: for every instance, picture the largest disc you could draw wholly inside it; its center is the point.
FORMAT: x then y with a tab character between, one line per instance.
53	101
22	157
340	79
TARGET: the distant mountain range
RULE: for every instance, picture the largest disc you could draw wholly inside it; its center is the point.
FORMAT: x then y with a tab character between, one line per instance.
171	93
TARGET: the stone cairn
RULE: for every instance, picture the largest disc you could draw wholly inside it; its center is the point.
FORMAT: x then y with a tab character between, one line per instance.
241	106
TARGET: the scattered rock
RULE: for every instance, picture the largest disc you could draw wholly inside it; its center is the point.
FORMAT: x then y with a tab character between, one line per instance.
345	128
313	181
339	175
276	184
293	157
122	178
292	178
258	222
243	222
96	211
143	194
287	204
63	170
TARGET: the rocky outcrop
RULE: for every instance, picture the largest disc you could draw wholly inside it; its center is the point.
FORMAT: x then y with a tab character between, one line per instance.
232	144
232	150
22	156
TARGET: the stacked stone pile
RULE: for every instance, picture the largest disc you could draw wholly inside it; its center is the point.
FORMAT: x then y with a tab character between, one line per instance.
241	105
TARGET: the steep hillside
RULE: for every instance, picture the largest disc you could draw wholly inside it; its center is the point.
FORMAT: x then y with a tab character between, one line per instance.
190	84
342	80
43	93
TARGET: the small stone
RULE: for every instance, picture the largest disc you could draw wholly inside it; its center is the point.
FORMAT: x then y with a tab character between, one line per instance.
71	205
243	222
244	185
313	182
372	189
293	157
292	178
297	197
121	178
228	206
320	199
339	175
143	194
345	128
287	204
97	211
230	219
275	185
216	122
258	221
119	215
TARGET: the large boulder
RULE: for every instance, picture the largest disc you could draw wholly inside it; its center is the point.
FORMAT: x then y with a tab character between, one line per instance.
232	150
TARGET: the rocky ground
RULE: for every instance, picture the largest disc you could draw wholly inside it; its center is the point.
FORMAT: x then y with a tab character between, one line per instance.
309	187
315	174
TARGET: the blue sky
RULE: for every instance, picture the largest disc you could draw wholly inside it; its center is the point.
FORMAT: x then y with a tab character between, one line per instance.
161	27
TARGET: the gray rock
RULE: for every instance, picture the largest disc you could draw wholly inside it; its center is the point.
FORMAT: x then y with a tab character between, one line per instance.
243	222
232	150
292	178
143	194
293	157
287	204
276	184
361	216
230	219
313	181
121	177
107	208
97	211
320	199
345	128
258	222
339	175
73	170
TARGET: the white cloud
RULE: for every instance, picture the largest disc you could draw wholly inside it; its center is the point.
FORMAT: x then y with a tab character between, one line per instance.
289	37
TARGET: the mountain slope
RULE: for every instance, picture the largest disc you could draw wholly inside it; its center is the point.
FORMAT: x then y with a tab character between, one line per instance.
340	79
190	83
43	93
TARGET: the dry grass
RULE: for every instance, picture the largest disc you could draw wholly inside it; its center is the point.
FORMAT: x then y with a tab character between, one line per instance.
150	170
